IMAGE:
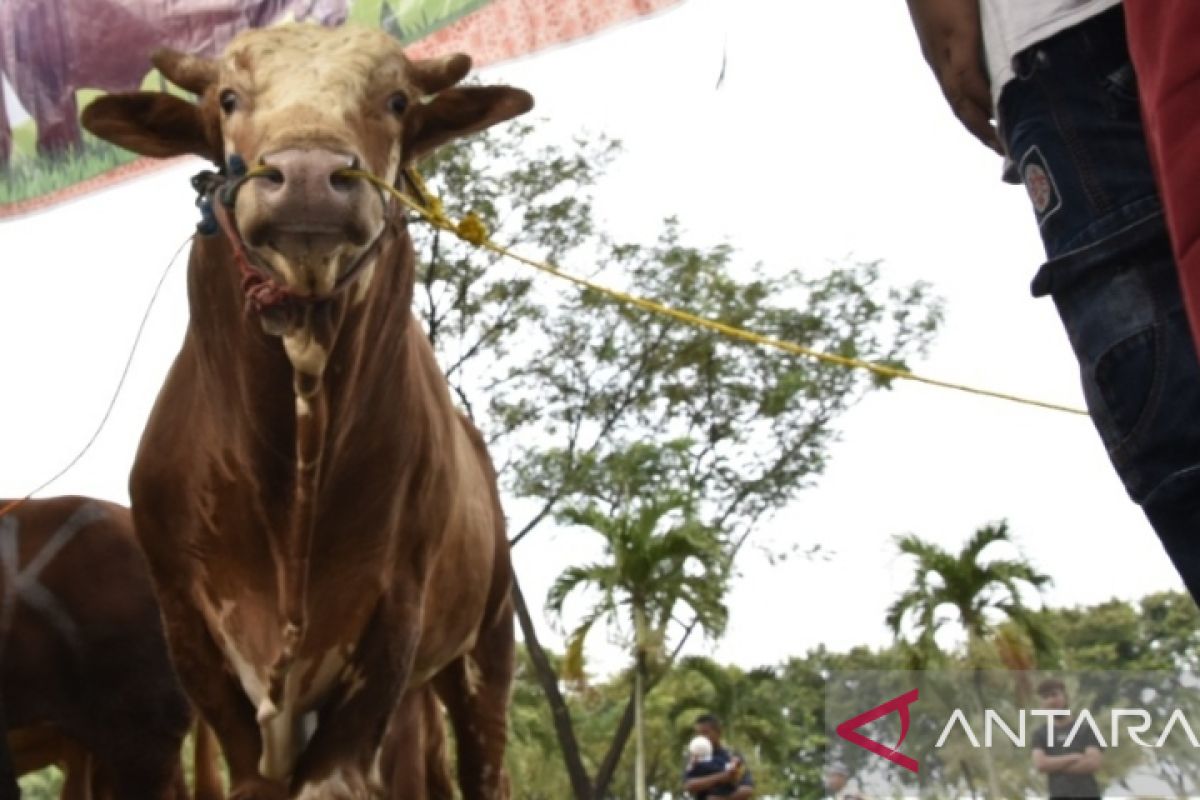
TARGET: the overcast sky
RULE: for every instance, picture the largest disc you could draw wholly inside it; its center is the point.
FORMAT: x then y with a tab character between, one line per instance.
827	141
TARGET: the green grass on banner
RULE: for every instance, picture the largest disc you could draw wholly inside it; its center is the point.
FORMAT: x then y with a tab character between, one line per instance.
35	177
31	176
411	20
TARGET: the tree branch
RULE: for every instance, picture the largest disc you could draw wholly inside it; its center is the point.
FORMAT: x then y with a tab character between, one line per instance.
548	679
612	758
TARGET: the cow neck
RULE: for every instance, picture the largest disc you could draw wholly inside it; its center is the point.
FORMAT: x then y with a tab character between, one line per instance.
323	368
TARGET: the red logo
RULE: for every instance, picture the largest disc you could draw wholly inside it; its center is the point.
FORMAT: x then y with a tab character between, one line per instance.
848	730
1041	191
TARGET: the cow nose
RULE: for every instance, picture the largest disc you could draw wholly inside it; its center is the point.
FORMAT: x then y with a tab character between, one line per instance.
306	192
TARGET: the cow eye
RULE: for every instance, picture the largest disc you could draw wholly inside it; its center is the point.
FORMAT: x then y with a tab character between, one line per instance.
229	101
398	102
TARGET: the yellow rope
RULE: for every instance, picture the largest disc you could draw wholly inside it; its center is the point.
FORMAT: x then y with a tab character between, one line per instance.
472	229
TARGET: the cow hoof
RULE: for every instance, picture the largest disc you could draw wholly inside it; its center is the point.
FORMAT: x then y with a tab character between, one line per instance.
259	789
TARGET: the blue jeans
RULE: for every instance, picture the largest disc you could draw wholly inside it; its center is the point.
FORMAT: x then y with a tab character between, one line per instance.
1071	123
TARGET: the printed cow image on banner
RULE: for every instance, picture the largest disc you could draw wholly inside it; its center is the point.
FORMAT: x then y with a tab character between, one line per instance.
57	54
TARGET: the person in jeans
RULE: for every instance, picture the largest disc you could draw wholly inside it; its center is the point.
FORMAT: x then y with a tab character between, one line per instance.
1056	77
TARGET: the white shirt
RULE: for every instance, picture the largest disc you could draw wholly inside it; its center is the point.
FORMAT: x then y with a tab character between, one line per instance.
1010	26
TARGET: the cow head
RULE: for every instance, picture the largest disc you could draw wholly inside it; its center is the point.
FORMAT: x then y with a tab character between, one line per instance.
306	102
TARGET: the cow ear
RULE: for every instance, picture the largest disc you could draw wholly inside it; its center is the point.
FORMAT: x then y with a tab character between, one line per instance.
459	112
152	124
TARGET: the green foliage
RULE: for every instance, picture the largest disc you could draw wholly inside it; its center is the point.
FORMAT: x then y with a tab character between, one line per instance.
974	591
670	442
479	309
45	784
775	715
759	422
658	556
35	177
30	175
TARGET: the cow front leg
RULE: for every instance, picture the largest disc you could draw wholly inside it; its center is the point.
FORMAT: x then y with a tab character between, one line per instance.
79	772
412	761
218	696
475	690
8	773
350	727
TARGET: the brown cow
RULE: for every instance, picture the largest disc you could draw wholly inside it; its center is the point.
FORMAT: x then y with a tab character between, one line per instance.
83	658
44	746
323	525
8	774
85	778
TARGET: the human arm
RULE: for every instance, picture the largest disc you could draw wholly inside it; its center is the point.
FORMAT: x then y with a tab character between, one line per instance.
952	43
702	783
1047	763
1087	762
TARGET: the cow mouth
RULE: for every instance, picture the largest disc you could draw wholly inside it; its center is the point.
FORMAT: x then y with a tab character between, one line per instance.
309	256
313	260
309	229
310	236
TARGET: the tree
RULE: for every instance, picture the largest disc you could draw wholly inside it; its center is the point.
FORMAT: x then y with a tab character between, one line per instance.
532	756
42	785
1140	656
758	425
561	380
977	593
658	559
1152	640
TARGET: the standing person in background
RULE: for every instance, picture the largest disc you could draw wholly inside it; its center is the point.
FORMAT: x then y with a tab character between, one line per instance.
732	779
1069	762
1056	77
701	764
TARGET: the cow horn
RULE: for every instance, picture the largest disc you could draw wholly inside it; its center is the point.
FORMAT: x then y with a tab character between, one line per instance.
192	73
432	75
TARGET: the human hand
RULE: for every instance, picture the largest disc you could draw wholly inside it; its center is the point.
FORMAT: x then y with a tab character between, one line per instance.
952	43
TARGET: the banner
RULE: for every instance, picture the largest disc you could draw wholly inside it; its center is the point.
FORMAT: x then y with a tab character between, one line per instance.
56	55
1012	733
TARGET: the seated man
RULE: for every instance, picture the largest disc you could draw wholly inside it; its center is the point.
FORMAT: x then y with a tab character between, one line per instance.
723	773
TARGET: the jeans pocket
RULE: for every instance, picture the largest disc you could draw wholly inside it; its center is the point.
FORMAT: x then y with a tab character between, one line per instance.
1123	385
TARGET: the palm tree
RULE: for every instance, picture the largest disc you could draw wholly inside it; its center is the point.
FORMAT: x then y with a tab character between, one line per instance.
658	557
979	594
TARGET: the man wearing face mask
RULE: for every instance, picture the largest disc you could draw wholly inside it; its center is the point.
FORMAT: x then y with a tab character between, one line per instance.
1056	79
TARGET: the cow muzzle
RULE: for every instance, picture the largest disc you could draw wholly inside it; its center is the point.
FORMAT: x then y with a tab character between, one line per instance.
306	220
